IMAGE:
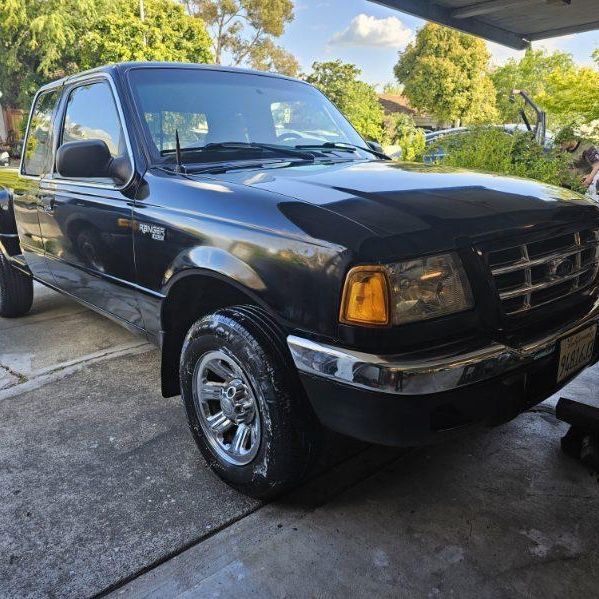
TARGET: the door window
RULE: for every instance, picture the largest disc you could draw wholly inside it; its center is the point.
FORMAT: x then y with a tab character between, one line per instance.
37	156
91	113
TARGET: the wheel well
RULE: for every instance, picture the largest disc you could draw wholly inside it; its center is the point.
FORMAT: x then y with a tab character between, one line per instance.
188	300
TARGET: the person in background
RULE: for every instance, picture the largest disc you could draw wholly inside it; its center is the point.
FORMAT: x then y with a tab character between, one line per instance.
584	159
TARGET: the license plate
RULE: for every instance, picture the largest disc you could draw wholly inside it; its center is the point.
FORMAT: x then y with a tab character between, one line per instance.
575	352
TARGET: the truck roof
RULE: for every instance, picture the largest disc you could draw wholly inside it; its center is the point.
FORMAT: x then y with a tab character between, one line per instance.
123	67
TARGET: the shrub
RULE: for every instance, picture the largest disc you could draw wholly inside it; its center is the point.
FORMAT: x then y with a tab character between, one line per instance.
401	131
494	150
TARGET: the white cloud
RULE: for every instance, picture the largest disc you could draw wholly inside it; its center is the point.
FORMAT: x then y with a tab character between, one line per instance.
365	30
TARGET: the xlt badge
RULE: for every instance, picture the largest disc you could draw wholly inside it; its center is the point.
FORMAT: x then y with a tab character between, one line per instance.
157	233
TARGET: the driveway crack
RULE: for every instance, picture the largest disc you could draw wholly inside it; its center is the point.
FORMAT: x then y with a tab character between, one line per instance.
20	378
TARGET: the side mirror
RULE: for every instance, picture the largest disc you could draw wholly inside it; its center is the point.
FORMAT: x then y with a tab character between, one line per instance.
375	145
91	159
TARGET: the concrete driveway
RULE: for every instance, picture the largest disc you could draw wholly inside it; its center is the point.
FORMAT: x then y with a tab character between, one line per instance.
102	491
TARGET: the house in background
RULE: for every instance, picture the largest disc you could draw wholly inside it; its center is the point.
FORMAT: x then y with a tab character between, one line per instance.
11	123
398	104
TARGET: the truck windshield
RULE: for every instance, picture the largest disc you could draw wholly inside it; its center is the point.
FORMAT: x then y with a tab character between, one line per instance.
217	108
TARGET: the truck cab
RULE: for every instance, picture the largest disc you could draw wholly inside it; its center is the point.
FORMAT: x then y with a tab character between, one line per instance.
294	277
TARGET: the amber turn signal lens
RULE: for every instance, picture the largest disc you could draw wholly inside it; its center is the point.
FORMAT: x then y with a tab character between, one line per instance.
365	297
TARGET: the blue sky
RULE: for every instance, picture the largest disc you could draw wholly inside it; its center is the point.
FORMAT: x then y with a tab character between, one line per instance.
370	36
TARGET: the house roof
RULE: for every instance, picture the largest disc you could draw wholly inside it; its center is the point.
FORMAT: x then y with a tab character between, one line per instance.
396	103
513	23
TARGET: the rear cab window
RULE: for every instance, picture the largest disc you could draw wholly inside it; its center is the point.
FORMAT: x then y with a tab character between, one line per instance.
37	153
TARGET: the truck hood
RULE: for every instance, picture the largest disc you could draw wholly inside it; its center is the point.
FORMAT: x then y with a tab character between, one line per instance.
412	208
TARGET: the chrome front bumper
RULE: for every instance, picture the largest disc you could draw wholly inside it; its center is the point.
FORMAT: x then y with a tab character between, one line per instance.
425	373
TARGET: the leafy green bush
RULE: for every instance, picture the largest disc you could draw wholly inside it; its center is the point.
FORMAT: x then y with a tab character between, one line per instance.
401	132
494	150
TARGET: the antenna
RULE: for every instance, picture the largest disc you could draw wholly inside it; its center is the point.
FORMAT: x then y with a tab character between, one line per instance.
178	152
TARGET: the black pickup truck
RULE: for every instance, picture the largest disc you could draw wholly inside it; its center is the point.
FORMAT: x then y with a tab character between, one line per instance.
291	274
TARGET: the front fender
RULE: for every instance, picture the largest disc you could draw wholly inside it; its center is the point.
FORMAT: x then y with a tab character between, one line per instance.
216	261
206	261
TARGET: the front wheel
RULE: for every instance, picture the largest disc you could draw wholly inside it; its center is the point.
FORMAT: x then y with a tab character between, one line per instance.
245	404
16	290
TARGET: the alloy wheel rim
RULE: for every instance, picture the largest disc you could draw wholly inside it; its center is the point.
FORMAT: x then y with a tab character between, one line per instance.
227	408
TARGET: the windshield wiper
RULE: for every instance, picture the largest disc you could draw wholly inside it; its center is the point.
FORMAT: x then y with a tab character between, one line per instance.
242	145
343	146
223	167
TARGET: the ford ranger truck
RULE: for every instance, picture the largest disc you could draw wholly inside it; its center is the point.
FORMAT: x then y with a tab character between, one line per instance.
292	275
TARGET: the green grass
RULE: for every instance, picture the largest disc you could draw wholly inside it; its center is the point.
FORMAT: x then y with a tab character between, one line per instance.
8	177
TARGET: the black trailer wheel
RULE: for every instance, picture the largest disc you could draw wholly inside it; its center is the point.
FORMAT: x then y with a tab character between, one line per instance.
16	290
246	407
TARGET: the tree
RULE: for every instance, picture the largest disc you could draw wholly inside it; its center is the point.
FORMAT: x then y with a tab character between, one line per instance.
267	56
571	96
166	33
46	40
531	73
245	30
568	92
38	40
445	73
356	99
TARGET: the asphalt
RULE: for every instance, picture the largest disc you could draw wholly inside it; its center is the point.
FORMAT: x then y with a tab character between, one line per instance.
103	491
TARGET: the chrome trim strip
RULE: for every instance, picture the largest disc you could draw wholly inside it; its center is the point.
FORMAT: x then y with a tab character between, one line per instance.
9	235
525	263
526	308
407	374
530	287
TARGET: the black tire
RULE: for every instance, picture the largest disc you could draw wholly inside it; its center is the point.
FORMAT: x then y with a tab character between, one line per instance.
290	436
16	290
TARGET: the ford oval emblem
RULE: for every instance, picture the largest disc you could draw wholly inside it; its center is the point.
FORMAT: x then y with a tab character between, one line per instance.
564	268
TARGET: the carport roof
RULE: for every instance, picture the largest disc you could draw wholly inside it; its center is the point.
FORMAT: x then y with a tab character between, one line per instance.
514	23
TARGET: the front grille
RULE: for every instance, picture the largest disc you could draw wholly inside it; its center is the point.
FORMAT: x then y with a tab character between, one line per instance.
536	273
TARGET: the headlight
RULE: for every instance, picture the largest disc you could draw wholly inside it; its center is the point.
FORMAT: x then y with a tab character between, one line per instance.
415	290
428	288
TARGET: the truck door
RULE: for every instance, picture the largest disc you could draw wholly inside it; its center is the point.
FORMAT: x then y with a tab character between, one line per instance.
35	164
86	223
